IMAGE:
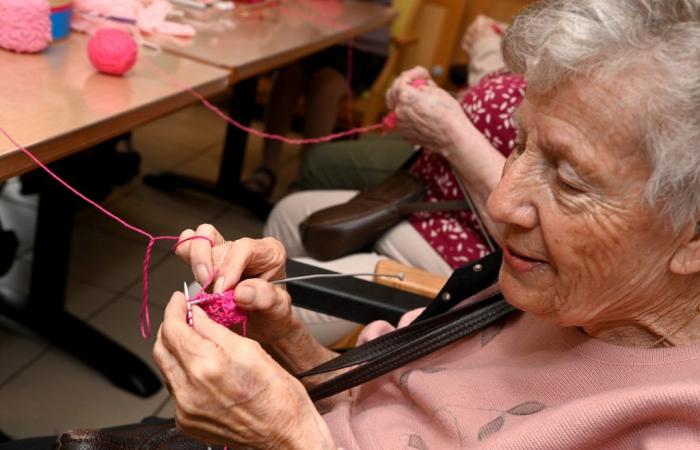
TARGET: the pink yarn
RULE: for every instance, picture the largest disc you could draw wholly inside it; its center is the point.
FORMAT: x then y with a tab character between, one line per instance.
276	137
221	308
145	322
112	51
25	25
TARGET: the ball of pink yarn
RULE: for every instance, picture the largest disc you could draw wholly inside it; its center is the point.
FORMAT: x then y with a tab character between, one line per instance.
112	51
25	25
221	308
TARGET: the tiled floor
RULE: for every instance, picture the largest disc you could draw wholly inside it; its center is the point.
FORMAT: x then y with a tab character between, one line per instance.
42	389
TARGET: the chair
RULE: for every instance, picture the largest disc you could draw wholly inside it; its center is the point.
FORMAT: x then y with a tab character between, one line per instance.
370	104
363	301
425	33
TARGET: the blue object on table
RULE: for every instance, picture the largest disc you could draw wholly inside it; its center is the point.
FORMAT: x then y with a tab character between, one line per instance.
60	20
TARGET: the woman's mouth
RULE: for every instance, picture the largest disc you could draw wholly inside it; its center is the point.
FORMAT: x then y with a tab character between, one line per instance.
519	262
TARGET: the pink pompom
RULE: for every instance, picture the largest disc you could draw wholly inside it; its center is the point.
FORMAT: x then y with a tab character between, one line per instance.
25	25
112	51
221	308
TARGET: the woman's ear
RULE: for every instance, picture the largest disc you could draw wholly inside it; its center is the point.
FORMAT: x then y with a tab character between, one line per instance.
686	259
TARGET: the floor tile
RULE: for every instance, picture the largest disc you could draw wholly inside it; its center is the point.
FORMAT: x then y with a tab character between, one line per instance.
57	393
188	134
205	166
83	300
120	321
107	261
159	212
16	350
236	223
19	276
164	279
159	154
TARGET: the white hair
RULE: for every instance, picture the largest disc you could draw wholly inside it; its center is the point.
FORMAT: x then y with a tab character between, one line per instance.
554	41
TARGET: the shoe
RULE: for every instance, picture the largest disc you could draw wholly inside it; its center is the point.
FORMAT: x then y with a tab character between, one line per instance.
262	181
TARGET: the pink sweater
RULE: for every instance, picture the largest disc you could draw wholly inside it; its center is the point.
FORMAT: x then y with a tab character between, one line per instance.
528	385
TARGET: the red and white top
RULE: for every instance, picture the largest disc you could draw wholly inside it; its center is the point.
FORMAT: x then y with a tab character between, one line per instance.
455	235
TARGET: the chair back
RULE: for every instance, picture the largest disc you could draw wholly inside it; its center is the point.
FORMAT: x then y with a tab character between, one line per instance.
368	107
423	34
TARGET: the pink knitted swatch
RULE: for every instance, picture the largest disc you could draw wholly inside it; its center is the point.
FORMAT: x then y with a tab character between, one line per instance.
221	308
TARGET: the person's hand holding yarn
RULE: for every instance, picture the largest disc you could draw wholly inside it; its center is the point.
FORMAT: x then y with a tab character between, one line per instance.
245	265
224	263
229	391
426	115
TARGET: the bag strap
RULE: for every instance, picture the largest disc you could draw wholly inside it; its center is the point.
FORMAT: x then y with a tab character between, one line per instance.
447	319
379	346
471	318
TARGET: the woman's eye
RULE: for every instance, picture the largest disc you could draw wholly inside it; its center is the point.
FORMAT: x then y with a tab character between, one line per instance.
567	186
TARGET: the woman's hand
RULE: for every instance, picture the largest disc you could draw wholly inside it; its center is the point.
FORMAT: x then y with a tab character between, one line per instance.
225	262
481	28
427	115
270	317
228	262
228	390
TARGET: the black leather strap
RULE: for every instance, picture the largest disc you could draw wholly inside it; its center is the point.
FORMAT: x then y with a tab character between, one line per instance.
439	325
472	318
464	283
379	346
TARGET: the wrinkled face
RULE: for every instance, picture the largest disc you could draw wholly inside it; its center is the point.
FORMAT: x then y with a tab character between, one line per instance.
580	247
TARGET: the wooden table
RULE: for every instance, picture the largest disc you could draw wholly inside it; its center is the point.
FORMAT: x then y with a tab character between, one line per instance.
55	104
277	35
252	45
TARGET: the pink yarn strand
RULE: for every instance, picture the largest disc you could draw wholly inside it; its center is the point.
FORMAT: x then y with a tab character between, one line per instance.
73	190
256	132
145	317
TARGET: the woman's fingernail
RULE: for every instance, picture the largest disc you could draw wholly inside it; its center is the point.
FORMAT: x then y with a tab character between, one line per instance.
245	294
219	285
201	273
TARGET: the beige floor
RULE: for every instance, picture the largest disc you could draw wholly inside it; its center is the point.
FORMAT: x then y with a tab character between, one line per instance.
42	389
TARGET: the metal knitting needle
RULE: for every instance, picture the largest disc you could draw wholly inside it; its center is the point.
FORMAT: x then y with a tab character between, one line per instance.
189	305
477	217
400	276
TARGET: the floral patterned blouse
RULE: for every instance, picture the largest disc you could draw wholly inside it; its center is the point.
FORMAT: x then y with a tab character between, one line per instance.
455	235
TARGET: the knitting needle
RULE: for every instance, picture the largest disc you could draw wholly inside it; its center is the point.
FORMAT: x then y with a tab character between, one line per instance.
189	305
400	276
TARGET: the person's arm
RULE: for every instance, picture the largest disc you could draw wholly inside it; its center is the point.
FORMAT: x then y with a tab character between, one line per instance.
478	165
430	117
271	320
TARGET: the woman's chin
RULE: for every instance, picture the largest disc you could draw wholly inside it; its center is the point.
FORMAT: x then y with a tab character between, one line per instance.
526	293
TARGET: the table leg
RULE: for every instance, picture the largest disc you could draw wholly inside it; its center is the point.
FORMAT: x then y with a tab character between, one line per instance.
43	310
228	185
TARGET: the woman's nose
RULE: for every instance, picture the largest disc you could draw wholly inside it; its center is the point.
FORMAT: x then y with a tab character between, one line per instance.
512	202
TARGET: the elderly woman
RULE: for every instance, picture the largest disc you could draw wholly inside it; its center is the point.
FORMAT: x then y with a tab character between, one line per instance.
598	211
